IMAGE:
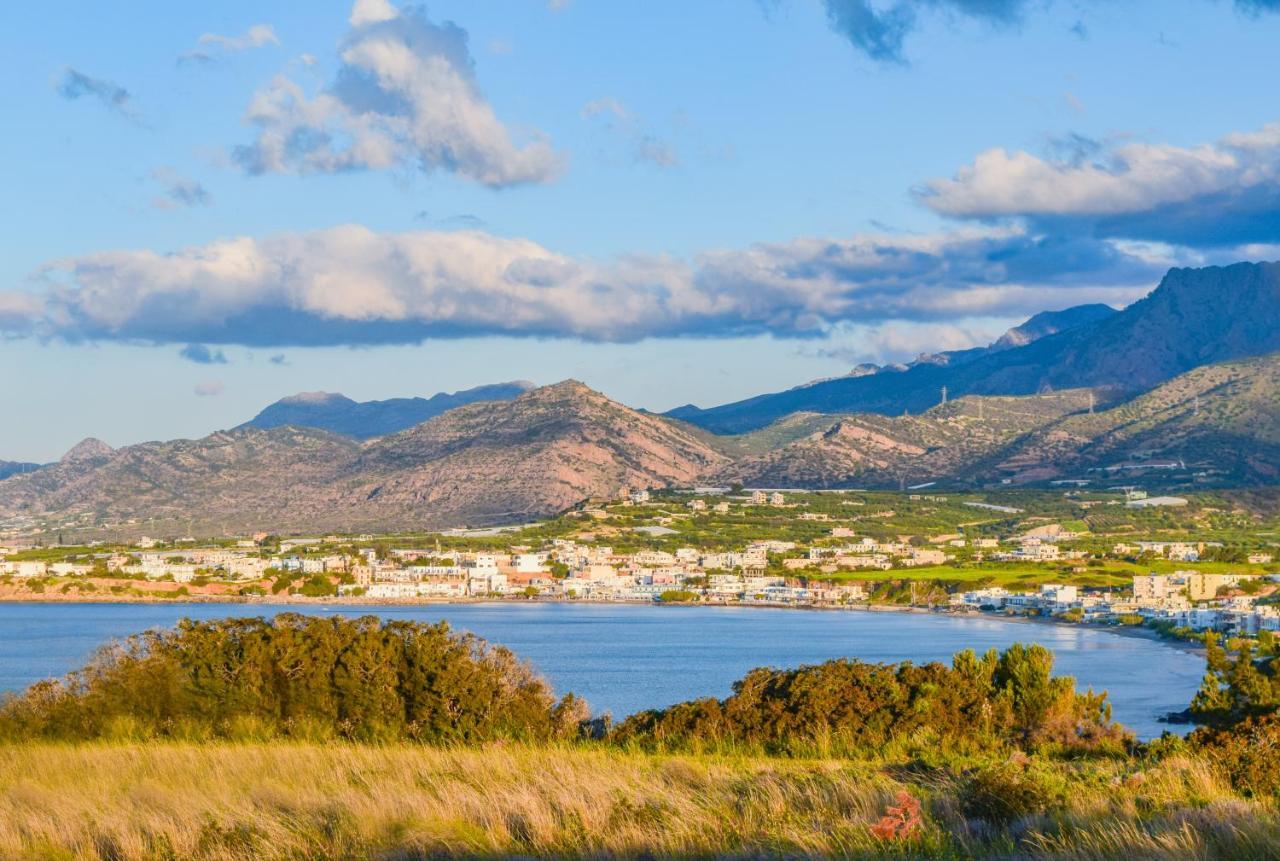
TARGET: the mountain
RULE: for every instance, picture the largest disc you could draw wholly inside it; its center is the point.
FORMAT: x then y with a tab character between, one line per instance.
527	458
872	450
13	467
368	419
1219	421
1051	323
484	463
88	450
1194	317
1215	424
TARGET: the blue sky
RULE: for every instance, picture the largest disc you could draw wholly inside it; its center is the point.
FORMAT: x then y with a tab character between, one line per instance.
210	208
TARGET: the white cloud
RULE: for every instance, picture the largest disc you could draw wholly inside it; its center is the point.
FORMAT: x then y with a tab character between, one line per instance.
1227	192
349	285
899	341
256	36
406	95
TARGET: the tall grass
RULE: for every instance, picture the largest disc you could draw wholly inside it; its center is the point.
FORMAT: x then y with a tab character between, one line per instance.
139	802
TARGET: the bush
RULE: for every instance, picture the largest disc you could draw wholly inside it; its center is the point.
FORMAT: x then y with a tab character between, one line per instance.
253	678
847	706
1248	753
1003	794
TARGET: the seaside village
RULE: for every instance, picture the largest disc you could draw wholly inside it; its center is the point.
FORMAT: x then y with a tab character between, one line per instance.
762	572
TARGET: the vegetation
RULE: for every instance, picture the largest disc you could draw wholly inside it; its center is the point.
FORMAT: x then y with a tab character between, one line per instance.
851	708
296	676
309	738
291	801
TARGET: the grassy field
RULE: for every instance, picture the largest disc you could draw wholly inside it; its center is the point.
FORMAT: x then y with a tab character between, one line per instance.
124	802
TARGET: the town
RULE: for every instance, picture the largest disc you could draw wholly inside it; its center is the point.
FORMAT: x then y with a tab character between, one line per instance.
743	547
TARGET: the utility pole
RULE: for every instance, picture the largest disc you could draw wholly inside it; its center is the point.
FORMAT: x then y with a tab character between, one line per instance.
1091	402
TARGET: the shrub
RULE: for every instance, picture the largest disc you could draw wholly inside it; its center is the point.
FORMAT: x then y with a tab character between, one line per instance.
253	678
847	706
1248	753
1003	794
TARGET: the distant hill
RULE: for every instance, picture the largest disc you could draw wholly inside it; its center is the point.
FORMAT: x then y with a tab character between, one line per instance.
13	467
483	463
872	450
369	419
1218	424
1194	317
551	448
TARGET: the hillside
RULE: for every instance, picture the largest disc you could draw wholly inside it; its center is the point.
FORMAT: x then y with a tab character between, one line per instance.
368	419
870	450
485	463
1194	317
228	481
539	454
1217	424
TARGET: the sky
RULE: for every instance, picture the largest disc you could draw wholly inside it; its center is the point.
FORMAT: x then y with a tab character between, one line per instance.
212	206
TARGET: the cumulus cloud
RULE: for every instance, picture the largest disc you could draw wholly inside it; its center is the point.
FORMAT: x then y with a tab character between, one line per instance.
178	191
202	355
75	84
209	388
1217	194
405	95
350	285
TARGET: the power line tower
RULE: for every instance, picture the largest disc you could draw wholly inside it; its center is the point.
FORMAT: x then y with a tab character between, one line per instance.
944	396
1091	401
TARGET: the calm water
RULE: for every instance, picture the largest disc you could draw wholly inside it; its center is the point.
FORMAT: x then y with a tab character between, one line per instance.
626	658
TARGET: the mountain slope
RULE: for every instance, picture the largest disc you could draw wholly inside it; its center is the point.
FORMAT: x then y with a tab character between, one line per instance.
368	419
1218	423
530	457
1194	317
484	463
1221	420
870	450
228	481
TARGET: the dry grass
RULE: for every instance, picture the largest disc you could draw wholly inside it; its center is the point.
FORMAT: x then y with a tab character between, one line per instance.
298	801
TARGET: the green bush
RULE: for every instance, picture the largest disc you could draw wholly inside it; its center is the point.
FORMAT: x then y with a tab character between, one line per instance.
1003	794
847	706
252	678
